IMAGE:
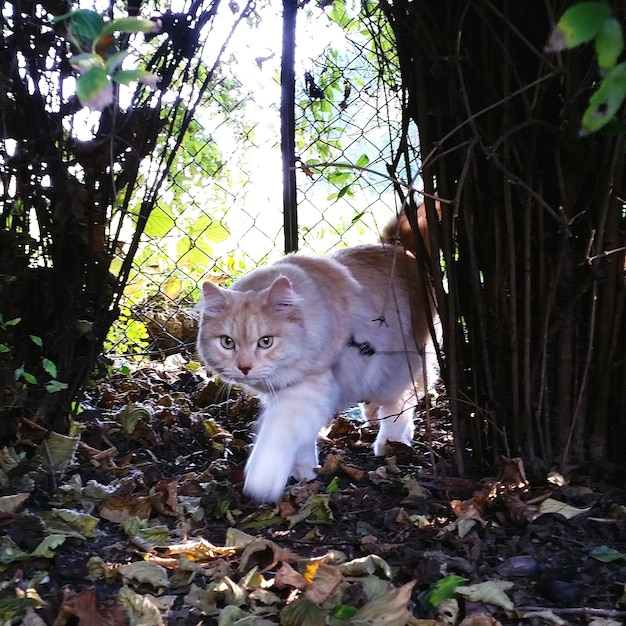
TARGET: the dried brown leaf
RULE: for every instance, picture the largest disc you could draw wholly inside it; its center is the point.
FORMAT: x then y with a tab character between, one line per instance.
264	554
326	579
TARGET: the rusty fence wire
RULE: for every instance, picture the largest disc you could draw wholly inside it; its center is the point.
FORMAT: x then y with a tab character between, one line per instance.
220	213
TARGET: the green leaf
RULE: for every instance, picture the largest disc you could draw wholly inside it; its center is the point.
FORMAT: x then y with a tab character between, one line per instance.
357	217
160	222
362	161
47	546
333	485
606	101
580	24
347	190
55	386
302	612
339	177
49	367
84	27
14	322
29	378
444	589
325	106
129	25
339	14
213	230
4	348
36	340
86	61
609	44
345	611
93	88
115	60
204	246
190	255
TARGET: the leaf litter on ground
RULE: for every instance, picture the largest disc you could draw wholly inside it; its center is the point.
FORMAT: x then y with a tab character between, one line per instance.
137	517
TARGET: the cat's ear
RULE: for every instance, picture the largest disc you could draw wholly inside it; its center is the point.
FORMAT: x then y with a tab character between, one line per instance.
281	295
214	298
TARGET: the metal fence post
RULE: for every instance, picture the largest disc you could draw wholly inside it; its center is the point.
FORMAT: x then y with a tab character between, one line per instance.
288	125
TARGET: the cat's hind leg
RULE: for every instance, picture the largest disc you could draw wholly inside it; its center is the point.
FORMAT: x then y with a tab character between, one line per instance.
369	410
395	423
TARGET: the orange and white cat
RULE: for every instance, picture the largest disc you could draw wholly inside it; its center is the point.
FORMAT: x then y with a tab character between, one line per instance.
312	335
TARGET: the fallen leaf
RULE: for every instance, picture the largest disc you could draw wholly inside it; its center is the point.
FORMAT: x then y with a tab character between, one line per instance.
287	576
303	612
83	523
132	414
353	473
511	477
520	512
144	573
326	580
315	511
332	464
490	592
550	505
365	566
444	589
58	451
606	554
119	509
196	550
98	569
10	551
163	497
264	554
237	538
140	609
46	548
390	610
448	612
84	607
10	504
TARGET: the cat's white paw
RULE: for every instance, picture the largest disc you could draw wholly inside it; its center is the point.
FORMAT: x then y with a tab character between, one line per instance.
267	473
394	428
305	462
263	489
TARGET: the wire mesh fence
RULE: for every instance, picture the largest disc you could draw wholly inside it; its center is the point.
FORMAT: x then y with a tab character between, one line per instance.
220	213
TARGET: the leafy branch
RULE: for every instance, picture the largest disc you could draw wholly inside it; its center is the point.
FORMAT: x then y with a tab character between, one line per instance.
593	21
99	59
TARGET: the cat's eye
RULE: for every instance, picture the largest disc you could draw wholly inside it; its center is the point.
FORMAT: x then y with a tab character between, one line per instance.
227	342
265	342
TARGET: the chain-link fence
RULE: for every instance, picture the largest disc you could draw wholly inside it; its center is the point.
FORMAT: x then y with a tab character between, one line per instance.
220	213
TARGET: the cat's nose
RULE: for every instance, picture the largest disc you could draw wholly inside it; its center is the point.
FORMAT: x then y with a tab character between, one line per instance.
244	369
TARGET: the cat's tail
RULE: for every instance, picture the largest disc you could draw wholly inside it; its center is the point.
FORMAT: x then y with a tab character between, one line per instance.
399	229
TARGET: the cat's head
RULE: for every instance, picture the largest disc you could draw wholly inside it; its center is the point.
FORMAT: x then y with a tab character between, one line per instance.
252	338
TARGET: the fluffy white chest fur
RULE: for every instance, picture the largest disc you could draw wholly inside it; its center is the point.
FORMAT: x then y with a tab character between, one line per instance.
314	335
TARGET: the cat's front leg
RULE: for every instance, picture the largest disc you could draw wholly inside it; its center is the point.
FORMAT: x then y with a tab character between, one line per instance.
286	437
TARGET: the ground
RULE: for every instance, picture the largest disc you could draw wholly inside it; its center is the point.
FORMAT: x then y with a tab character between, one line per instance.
143	521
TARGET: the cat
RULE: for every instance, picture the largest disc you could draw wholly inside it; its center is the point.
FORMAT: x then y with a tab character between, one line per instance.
312	335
